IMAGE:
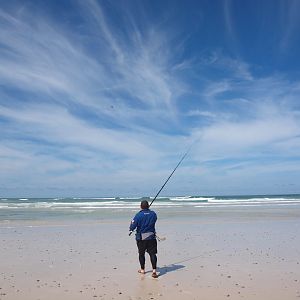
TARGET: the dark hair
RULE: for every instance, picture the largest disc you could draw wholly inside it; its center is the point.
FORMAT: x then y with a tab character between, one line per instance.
144	204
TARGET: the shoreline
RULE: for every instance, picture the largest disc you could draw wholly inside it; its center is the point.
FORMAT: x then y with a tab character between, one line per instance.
183	214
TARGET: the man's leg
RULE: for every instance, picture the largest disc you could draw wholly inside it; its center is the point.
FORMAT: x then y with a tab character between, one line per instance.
153	259
142	260
152	250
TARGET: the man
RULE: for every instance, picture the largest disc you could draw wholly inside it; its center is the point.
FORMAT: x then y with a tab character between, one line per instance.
144	223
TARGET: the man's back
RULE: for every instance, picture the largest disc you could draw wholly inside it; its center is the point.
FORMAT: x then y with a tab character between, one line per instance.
144	222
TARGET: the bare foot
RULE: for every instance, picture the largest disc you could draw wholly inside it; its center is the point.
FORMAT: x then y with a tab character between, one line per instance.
141	271
154	275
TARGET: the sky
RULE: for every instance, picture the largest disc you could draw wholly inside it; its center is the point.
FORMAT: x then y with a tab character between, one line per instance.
102	98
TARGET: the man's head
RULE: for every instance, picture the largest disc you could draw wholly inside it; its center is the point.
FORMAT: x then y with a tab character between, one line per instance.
144	204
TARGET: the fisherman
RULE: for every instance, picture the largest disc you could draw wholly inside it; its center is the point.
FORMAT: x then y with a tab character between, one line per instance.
144	223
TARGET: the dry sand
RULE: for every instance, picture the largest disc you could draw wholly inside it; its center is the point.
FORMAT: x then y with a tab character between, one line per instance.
204	257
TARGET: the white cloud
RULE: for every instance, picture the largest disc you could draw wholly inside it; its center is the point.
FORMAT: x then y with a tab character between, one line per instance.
56	125
199	113
47	144
245	136
44	58
113	119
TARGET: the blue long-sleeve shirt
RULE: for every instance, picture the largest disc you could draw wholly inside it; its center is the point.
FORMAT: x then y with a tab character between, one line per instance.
144	223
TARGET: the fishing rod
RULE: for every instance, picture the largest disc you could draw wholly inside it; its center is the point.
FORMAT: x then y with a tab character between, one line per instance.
183	157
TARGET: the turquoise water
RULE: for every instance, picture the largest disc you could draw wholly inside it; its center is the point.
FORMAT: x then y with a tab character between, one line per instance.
116	207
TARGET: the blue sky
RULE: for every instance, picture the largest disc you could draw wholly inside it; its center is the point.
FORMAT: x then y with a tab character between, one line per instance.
102	98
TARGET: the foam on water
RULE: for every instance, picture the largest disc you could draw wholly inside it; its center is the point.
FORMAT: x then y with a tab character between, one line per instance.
191	198
24	208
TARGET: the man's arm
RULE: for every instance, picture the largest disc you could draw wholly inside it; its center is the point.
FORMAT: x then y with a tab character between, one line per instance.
155	216
133	224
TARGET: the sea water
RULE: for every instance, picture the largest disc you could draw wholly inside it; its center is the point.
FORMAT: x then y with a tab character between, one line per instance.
102	208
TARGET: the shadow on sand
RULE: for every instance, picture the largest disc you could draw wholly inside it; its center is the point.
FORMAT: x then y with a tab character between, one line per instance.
170	268
176	266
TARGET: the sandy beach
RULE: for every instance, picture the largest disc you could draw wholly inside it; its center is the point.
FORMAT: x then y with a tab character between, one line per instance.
249	253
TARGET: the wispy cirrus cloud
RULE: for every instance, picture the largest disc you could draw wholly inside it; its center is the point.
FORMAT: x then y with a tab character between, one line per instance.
40	56
106	105
68	106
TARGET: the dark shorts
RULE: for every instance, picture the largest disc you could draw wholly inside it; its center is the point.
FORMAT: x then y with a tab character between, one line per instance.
147	245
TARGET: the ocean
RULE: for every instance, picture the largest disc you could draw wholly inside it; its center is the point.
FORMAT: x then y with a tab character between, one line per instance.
101	208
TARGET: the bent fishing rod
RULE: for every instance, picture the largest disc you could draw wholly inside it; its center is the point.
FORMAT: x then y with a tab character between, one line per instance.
183	157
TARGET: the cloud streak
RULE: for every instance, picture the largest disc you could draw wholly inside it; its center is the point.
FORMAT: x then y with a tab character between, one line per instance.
96	106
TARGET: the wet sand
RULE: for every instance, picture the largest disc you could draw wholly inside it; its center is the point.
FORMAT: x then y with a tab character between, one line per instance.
233	255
